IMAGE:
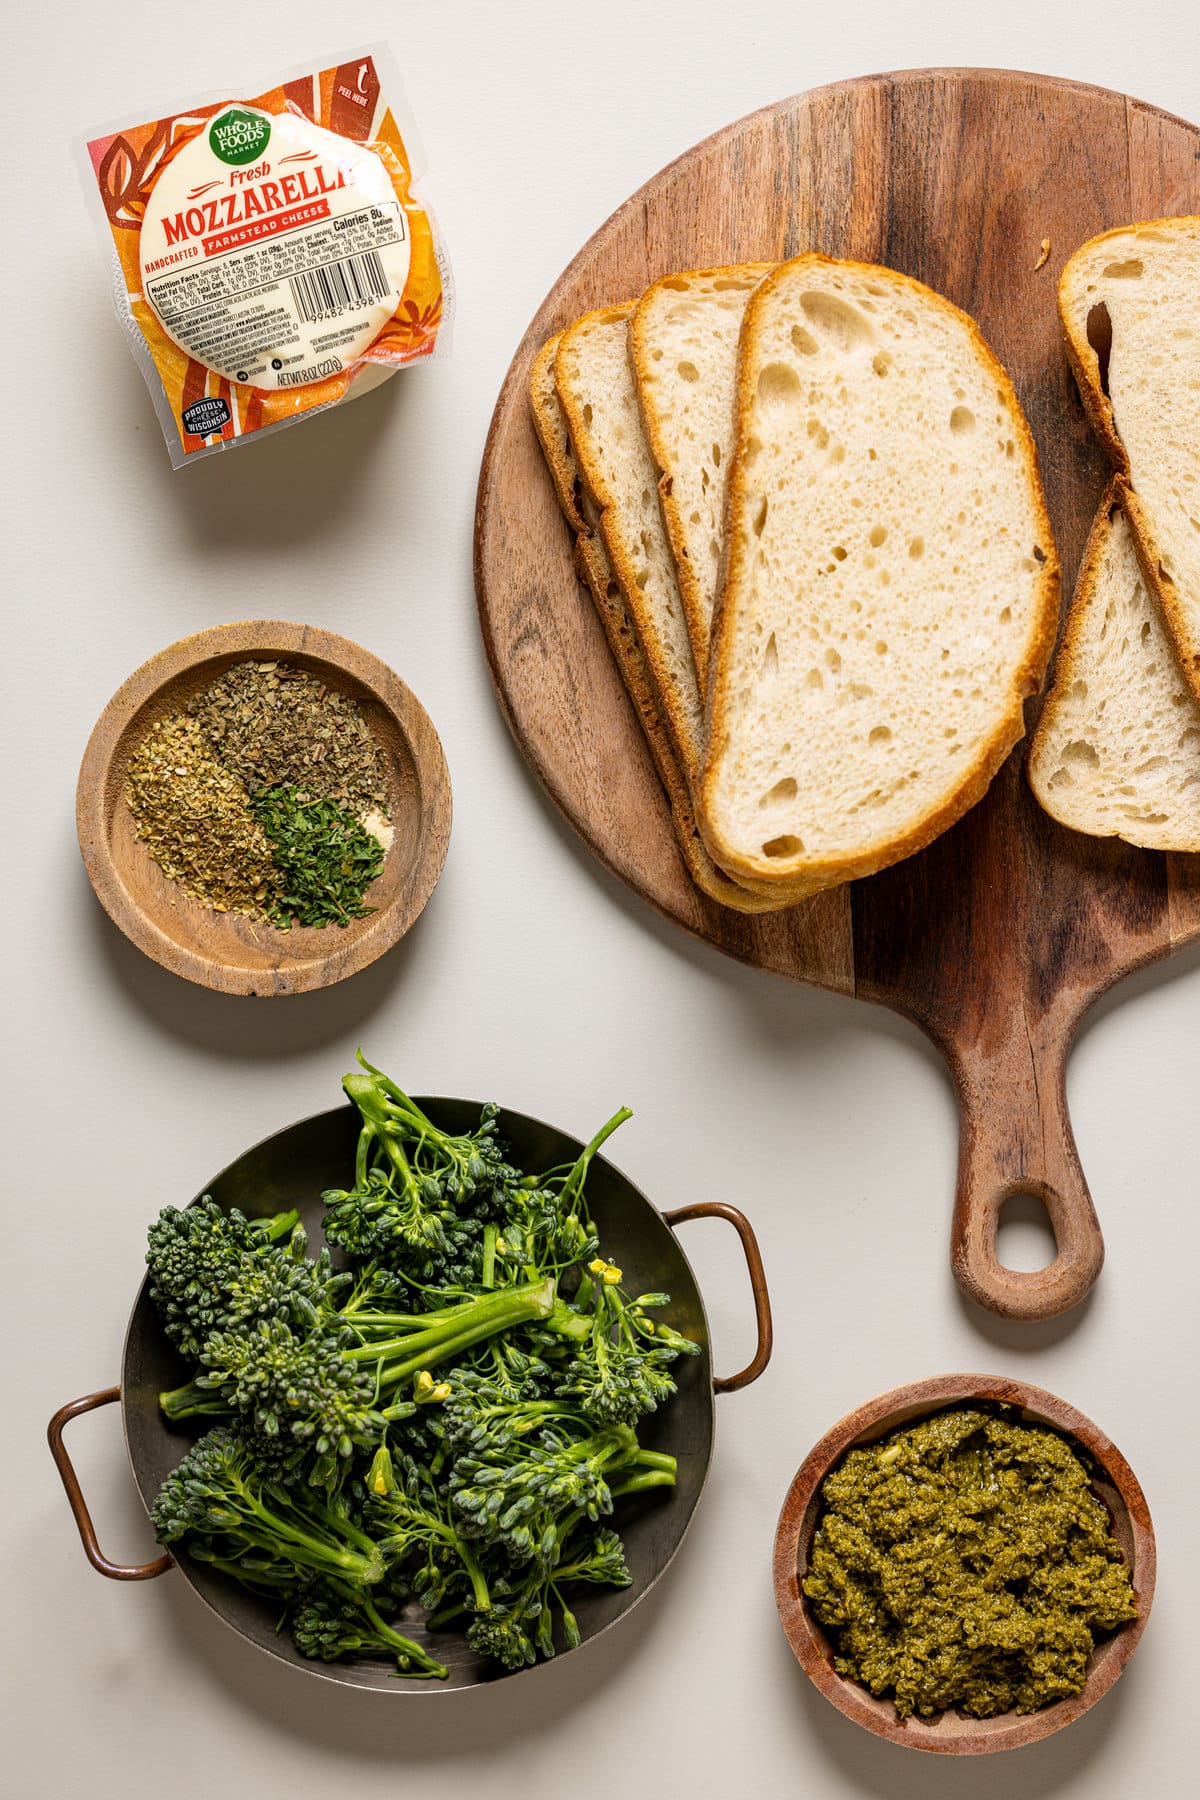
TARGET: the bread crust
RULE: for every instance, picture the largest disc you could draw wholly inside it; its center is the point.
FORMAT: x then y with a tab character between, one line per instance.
1085	366
639	350
1026	678
1067	665
687	750
594	569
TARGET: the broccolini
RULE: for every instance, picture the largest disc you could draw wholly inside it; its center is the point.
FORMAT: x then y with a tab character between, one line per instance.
452	1419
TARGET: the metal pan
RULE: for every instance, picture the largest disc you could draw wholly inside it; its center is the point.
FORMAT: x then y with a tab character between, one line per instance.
292	1169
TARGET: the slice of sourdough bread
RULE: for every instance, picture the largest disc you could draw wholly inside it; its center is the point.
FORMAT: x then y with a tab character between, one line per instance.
891	594
1116	752
595	570
596	390
683	340
1130	307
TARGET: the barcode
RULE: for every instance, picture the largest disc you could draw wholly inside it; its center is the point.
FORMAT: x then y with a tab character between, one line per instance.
339	286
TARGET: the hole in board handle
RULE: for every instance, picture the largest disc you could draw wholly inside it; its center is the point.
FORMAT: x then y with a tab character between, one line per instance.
1024	1235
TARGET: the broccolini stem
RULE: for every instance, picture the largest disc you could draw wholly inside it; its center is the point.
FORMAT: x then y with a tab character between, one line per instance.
361	1566
403	1646
573	1185
490	1234
641	1482
656	1459
463	1326
479	1586
280	1226
192	1401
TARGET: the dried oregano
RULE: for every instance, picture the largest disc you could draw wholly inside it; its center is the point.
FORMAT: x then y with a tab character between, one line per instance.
193	818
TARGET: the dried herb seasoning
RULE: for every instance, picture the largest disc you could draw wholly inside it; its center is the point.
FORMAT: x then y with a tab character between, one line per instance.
193	818
964	1561
325	858
266	796
273	724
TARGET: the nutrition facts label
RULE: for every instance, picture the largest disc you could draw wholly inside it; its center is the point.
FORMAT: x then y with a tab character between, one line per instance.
281	273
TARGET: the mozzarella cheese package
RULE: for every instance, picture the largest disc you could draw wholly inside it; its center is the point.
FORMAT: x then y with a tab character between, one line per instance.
273	258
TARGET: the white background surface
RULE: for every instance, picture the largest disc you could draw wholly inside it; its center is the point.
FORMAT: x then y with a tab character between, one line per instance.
532	976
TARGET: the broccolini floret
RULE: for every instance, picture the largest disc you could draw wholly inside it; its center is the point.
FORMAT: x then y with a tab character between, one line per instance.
219	1500
328	1627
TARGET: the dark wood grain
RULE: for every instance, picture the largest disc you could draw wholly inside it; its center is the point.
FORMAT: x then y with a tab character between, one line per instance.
997	938
224	951
952	1733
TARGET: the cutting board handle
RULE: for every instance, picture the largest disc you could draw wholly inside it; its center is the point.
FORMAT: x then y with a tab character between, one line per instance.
1015	1138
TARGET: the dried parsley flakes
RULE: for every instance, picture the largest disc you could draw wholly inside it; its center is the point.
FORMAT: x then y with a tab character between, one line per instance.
193	818
326	859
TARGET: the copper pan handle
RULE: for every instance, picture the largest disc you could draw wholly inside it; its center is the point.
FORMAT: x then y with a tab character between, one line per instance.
83	1519
721	1209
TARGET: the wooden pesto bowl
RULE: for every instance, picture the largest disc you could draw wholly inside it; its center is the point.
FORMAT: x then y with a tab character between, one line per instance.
952	1733
233	954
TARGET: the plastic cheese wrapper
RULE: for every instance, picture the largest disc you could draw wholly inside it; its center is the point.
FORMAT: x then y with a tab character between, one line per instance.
273	258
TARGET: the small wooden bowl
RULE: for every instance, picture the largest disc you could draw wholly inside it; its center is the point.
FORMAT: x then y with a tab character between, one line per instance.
232	954
952	1733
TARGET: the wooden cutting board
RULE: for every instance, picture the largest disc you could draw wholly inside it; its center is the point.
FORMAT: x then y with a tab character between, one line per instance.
997	938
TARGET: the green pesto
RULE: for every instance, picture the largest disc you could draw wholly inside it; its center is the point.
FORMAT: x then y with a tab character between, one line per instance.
964	1561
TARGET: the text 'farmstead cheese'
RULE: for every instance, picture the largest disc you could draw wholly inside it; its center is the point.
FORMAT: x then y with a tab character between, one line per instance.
274	259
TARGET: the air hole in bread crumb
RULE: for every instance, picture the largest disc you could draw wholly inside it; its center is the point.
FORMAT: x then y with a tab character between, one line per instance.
687	371
1006	615
814	679
833	660
1125	271
880	735
716	456
587	414
1039	555
1079	690
1145	632
1080	754
839	321
803	341
770	661
1099	336
778	388
881	363
787	845
916	548
760	517
878	535
872	456
962	420
675	286
880	647
782	791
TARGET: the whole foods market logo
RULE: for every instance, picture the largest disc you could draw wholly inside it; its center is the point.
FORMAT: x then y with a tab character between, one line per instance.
238	136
